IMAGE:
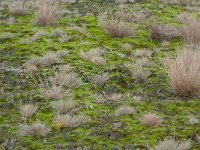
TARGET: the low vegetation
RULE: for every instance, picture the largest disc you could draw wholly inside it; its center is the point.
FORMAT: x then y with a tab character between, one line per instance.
99	74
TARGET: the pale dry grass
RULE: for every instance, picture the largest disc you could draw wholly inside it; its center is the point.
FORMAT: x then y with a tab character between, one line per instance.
192	120
35	129
190	32
184	72
124	110
142	53
18	7
57	33
69	121
49	59
54	92
64	69
171	144
94	55
138	73
160	32
64	38
116	28
69	1
68	80
47	13
64	106
151	120
7	35
100	79
27	110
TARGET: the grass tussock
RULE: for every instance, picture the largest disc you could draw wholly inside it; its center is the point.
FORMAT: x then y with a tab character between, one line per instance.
50	58
19	8
69	121
54	92
47	13
7	35
100	79
151	120
184	72
124	110
138	73
27	110
160	32
171	144
190	32
143	53
116	28
69	80
94	55
64	106
35	129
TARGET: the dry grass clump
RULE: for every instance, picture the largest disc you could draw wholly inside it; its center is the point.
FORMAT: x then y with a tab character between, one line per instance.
125	16
49	59
137	99
57	33
7	35
64	106
185	18
192	5
190	33
94	56
160	32
143	62
184	72
69	1
98	60
151	120
64	68
192	120
36	61
10	21
30	68
38	35
100	79
82	29
18	8
36	129
171	144
128	16
100	99
64	38
62	53
114	97
27	110
121	1
117	28
69	121
124	110
47	13
68	80
54	92
138	73
143	53
127	46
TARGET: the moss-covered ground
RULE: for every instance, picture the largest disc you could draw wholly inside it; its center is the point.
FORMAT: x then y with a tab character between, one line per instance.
98	133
